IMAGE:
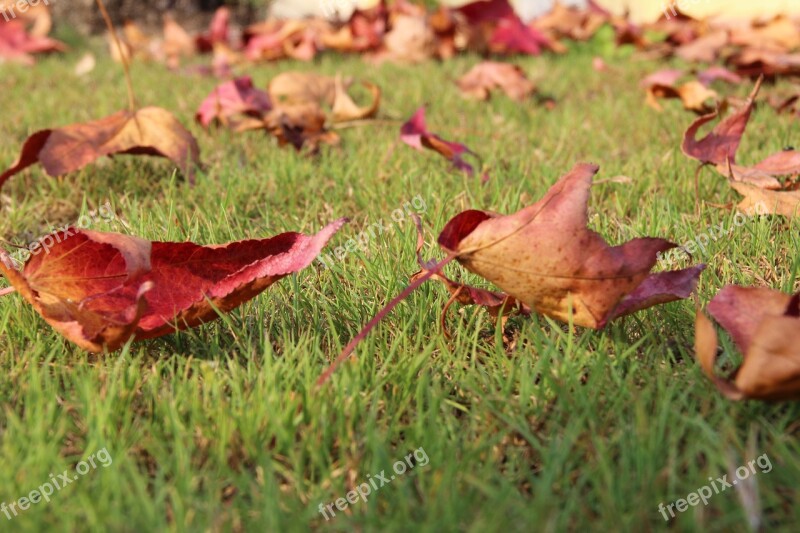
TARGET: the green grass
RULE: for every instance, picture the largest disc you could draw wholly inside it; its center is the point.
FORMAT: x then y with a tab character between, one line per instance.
221	428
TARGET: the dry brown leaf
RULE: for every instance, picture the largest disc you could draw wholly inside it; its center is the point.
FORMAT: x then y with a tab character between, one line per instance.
764	325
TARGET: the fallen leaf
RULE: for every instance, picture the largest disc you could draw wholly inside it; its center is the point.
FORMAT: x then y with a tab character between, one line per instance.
705	49
785	202
694	95
301	125
570	22
300	88
487	76
719	148
415	134
764	324
85	65
235	104
765	62
217	33
779	32
101	290
504	32
547	258
177	42
410	40
148	131
364	31
712	74
16	44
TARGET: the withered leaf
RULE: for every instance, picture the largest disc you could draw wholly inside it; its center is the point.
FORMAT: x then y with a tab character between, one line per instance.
547	258
487	76
16	44
147	131
236	104
764	324
720	146
101	290
415	134
300	88
694	95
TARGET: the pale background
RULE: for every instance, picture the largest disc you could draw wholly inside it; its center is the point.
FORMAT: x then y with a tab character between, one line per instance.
641	10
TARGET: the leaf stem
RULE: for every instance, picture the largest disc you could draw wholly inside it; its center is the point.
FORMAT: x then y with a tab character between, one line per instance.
123	55
351	346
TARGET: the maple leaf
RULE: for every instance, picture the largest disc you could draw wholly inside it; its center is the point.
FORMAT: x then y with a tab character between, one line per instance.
764	325
295	111
293	88
704	49
234	102
270	40
765	62
546	260
16	44
759	182
411	38
415	134
148	131
712	74
498	304
546	257
487	76
217	31
693	94
505	32
363	31
101	290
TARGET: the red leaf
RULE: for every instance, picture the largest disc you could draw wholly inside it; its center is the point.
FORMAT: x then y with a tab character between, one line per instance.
17	45
415	134
759	183
233	98
217	31
102	289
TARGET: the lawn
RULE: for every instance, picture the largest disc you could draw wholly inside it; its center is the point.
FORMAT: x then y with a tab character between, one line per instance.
221	428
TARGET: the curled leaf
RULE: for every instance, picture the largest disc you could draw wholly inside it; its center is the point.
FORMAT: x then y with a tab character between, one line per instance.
100	290
764	324
233	103
147	131
415	134
693	94
547	258
496	303
719	148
